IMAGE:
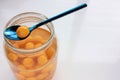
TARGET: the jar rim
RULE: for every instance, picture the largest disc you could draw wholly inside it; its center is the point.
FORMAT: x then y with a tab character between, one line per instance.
39	15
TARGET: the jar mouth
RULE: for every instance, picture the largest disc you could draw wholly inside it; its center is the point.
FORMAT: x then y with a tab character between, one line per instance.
34	14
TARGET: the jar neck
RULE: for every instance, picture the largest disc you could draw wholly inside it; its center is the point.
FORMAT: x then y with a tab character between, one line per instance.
16	20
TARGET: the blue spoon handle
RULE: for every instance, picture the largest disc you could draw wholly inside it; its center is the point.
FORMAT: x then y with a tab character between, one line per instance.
59	16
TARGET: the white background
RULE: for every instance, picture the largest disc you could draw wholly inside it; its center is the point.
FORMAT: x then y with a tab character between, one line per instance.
89	40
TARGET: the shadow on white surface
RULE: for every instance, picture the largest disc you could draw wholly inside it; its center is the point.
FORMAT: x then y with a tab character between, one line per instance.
88	71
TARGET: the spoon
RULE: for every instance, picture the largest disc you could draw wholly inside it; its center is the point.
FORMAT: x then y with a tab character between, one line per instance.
11	34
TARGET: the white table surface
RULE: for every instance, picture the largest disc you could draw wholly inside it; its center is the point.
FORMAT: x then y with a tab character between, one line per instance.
89	40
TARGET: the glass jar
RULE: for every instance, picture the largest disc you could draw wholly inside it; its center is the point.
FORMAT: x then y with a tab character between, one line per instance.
35	57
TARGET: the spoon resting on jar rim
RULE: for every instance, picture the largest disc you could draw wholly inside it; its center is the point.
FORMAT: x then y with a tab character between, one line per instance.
20	32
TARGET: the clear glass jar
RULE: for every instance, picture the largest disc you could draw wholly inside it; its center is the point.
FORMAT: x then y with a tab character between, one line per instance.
35	57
